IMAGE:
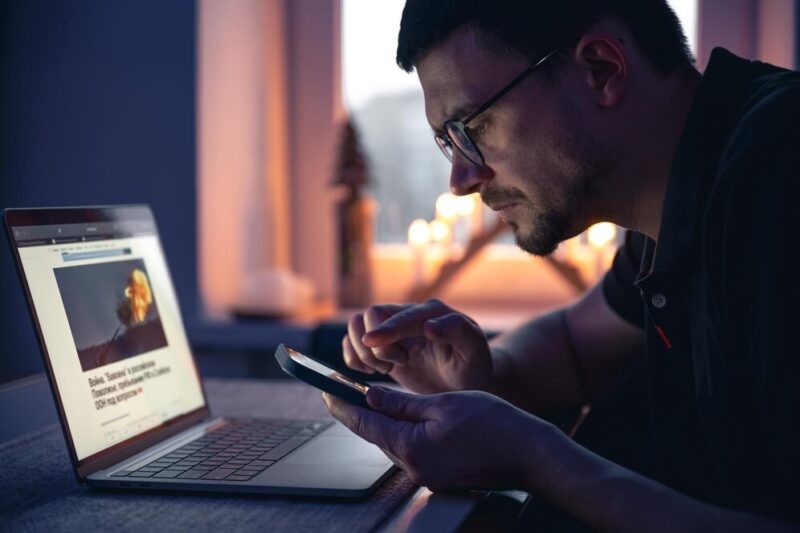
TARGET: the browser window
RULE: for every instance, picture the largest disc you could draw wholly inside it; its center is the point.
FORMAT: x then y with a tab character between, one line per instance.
111	325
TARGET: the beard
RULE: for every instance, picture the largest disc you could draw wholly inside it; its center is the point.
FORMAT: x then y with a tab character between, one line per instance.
563	207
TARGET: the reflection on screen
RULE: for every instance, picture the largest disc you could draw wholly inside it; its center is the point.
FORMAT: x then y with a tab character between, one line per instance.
326	370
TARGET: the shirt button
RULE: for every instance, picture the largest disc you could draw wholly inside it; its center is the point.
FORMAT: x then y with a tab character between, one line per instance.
659	301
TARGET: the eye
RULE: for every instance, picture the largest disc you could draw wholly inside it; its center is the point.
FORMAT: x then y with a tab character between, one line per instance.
476	131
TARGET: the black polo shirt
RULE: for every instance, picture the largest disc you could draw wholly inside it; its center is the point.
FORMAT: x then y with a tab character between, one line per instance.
720	294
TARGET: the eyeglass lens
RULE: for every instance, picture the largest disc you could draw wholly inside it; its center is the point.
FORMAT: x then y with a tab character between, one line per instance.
456	135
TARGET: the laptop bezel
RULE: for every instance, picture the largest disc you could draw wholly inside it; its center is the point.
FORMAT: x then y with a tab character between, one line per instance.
70	215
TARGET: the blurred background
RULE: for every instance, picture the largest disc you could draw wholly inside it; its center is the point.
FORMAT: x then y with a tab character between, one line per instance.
287	160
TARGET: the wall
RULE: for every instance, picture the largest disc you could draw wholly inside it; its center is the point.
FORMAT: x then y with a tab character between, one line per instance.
243	145
97	105
756	29
269	101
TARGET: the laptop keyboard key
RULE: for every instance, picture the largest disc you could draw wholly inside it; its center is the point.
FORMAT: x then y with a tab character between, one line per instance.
169	473
238	477
284	449
193	474
219	473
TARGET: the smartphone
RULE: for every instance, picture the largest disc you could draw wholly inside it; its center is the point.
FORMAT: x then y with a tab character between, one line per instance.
322	376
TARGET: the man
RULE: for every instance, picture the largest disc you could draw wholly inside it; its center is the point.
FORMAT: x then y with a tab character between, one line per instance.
563	114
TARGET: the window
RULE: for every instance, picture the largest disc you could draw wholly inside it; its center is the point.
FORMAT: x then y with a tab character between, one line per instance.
406	167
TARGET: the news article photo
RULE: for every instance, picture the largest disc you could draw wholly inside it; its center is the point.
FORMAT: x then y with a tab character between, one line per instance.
111	310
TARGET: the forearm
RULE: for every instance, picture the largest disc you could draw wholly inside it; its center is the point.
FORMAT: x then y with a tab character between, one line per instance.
608	497
566	358
533	367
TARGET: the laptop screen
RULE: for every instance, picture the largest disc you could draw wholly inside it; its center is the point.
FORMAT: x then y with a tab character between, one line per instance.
111	326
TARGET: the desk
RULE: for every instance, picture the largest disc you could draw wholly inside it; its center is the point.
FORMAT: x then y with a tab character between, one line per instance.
38	491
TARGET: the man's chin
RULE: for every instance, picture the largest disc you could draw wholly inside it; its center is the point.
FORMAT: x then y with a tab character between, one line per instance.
541	241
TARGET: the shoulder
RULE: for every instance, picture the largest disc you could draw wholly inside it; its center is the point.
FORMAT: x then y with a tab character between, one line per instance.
769	118
761	160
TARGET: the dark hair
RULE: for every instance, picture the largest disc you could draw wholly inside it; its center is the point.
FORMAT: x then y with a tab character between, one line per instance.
532	28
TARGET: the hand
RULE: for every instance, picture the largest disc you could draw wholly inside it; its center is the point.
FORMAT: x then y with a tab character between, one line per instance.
426	348
459	440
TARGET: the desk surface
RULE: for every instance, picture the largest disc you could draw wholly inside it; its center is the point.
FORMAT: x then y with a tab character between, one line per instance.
38	490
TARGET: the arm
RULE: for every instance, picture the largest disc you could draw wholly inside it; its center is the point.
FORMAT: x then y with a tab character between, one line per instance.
473	440
609	497
535	365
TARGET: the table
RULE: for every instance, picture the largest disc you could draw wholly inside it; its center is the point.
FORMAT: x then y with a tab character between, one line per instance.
38	490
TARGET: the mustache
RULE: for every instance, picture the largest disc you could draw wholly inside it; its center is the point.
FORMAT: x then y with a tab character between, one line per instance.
495	196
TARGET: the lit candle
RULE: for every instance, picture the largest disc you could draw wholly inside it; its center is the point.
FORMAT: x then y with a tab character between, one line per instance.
600	236
419	235
440	233
447	213
447	207
466	207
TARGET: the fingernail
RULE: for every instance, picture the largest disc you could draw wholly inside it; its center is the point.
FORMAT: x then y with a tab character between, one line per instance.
435	327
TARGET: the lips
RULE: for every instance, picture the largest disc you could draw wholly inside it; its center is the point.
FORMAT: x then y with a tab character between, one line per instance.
502	207
504	211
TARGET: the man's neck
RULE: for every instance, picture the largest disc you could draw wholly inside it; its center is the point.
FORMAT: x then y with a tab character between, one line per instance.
648	170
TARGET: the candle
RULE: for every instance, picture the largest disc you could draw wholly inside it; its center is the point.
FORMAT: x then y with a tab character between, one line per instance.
447	207
466	207
440	233
600	237
447	214
419	235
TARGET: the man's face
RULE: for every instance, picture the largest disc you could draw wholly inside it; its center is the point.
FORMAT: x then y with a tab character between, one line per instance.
543	170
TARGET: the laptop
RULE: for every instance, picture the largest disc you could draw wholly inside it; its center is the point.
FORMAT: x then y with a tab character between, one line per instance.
128	392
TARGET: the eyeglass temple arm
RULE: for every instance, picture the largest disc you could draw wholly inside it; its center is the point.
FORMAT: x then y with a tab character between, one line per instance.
513	83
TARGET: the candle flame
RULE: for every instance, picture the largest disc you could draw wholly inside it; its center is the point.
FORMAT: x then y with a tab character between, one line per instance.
447	206
440	231
601	234
419	233
466	205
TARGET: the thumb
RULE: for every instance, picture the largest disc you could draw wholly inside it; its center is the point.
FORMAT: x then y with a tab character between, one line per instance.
398	405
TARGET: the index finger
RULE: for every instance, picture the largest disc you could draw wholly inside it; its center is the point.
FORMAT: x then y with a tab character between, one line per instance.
406	323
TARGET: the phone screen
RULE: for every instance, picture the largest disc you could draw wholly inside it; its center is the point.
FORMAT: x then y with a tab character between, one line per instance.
325	370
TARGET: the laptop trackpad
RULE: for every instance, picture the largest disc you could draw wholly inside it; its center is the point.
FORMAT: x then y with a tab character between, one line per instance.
336	449
335	461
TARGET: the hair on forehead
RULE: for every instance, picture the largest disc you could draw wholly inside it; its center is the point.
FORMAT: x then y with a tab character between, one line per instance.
532	28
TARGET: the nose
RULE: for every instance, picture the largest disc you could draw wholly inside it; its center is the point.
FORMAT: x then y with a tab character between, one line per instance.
467	177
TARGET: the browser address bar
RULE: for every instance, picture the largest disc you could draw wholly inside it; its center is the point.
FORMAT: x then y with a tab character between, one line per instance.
95	254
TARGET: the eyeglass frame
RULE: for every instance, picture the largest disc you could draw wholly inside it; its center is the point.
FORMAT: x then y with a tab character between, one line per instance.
445	139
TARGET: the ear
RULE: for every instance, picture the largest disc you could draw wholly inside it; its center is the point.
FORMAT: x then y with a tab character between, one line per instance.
606	67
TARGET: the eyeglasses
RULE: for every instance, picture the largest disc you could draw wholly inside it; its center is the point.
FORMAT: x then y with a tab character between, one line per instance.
455	131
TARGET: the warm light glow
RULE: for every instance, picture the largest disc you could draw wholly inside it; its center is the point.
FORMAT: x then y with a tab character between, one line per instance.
440	231
466	204
446	207
601	234
419	233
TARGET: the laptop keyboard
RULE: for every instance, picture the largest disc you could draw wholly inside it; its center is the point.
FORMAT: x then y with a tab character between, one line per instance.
237	451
